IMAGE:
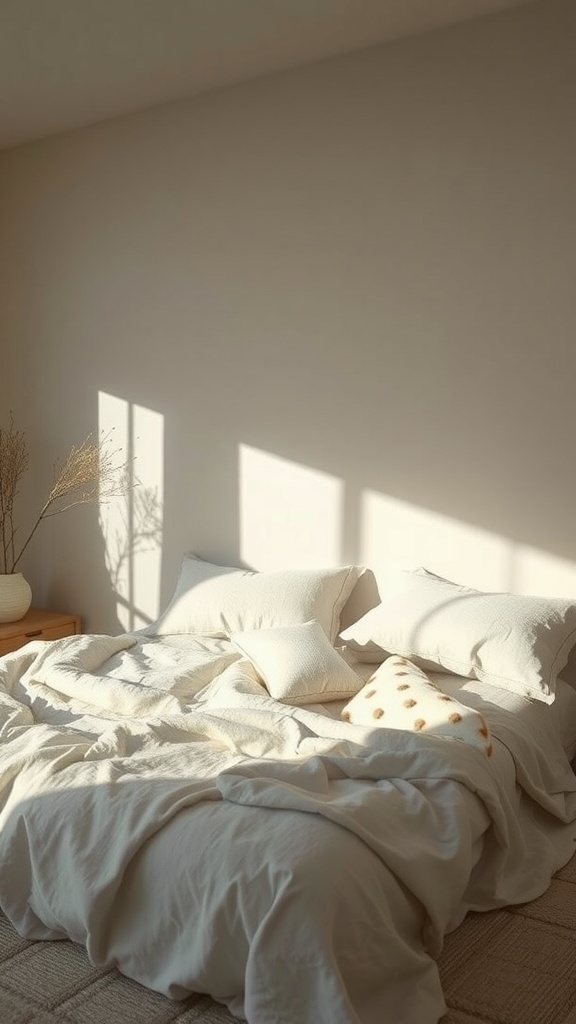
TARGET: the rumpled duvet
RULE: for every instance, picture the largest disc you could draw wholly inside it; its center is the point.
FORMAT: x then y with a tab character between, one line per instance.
159	807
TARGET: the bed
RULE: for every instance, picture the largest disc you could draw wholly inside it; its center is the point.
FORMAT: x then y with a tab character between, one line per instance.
251	800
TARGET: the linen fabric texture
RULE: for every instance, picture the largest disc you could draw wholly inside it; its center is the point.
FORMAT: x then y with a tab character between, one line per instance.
216	600
250	815
298	664
513	641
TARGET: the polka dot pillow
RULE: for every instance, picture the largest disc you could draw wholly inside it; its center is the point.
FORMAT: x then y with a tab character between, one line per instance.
399	695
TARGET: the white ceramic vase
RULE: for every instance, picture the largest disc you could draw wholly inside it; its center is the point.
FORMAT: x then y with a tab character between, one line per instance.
15	596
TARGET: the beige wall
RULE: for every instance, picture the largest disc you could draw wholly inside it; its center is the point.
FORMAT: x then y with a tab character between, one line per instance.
345	295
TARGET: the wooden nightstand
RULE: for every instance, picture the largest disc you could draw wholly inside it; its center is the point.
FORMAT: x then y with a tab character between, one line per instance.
37	624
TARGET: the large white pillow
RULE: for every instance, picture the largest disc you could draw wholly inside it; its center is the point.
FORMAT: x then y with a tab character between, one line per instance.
399	695
519	643
217	600
298	664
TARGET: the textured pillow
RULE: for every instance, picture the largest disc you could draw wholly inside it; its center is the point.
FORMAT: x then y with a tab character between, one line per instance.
216	600
399	695
298	664
516	642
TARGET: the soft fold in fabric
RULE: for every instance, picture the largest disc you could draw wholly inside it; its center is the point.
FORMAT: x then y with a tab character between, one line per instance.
514	641
217	600
204	837
298	664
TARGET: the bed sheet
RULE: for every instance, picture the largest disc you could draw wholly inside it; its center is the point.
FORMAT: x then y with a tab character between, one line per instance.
160	808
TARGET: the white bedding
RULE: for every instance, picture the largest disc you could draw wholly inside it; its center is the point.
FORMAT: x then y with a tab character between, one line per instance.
158	806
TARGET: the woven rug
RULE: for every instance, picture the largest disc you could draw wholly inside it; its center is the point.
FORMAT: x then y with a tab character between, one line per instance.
513	966
516	966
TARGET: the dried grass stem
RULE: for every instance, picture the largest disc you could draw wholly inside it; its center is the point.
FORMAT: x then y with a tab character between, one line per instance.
89	474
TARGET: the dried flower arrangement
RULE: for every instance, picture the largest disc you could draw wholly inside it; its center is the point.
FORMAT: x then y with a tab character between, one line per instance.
89	474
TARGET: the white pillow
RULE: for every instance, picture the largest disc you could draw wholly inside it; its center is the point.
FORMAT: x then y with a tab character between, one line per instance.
399	695
516	642
298	664
216	600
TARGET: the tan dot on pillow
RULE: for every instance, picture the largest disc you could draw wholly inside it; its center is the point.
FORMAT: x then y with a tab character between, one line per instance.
383	703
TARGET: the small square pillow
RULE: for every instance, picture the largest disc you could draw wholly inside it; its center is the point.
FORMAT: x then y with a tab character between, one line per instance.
216	600
399	695
298	664
519	643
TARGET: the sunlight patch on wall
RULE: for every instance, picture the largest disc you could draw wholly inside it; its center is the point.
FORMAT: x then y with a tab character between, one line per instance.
397	533
291	516
132	525
537	572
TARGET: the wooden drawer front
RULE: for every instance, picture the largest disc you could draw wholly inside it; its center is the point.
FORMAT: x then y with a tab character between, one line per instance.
54	632
13	643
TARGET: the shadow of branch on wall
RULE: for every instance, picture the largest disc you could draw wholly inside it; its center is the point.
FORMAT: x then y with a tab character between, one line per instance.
135	530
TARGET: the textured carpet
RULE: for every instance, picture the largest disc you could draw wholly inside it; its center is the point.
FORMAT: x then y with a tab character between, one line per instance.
513	966
516	966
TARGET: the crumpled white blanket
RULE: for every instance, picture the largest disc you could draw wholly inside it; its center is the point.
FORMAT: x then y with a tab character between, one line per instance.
158	806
